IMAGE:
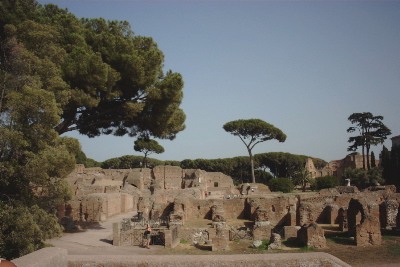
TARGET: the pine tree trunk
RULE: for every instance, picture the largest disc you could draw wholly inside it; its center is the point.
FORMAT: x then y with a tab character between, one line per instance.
253	177
363	156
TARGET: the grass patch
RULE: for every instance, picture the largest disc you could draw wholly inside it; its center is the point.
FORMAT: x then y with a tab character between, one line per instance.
264	245
341	238
307	249
184	241
388	237
394	249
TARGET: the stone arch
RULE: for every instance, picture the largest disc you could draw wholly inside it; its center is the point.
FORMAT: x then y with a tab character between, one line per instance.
363	222
355	215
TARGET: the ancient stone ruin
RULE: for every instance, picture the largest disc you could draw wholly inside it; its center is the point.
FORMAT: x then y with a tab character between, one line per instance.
206	209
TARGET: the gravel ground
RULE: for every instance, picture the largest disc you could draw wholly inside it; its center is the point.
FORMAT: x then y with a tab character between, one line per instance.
98	241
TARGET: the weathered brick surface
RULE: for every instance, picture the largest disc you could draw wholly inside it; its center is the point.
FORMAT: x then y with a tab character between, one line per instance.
262	232
290	231
312	235
368	232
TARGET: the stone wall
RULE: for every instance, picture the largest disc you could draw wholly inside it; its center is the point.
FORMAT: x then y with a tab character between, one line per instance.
98	206
218	180
278	208
167	177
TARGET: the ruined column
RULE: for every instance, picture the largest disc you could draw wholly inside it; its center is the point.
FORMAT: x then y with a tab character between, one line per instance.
391	211
368	232
116	234
292	215
220	241
333	213
342	218
262	226
217	214
305	214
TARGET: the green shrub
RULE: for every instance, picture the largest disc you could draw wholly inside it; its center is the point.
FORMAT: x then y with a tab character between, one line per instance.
284	185
23	230
325	182
264	245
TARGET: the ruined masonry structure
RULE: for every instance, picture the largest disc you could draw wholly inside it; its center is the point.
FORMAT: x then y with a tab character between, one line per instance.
183	196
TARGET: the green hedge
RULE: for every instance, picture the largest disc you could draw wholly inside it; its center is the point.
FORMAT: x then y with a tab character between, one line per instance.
284	185
325	182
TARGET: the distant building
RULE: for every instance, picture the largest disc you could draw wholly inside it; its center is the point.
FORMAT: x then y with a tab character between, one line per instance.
325	171
395	141
336	167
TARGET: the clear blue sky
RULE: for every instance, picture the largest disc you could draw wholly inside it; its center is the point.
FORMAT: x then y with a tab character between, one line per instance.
301	66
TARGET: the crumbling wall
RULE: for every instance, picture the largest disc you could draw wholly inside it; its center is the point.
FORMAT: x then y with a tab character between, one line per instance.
278	208
389	210
100	206
323	207
363	222
167	177
312	235
368	232
217	181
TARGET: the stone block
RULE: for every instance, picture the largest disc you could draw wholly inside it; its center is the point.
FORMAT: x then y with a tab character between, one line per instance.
276	242
368	232
312	235
290	231
262	232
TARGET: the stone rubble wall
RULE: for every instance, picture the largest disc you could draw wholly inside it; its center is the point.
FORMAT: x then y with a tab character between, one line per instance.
278	208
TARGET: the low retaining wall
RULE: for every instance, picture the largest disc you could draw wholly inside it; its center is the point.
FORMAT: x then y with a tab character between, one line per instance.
46	257
314	259
57	257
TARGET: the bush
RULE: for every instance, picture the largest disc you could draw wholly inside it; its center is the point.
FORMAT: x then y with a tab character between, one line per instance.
325	182
24	230
364	178
284	185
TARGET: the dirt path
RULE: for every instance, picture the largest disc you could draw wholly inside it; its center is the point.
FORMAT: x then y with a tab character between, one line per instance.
98	241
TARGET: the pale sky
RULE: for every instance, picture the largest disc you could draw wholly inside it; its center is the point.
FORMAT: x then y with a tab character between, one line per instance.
303	66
